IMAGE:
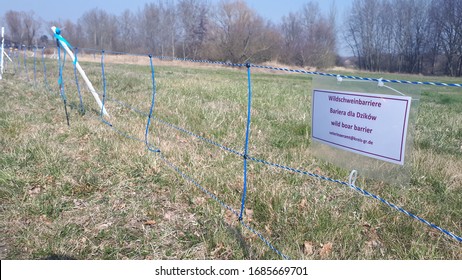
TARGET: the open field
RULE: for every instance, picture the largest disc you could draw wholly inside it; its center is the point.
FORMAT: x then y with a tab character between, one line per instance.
86	192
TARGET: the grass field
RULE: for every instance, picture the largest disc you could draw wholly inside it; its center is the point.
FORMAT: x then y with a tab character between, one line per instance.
86	192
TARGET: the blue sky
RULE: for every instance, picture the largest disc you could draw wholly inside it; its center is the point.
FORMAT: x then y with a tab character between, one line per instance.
73	9
273	10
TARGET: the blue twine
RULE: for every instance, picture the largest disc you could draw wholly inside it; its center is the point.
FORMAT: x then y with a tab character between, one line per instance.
61	82
153	100
301	71
61	39
82	108
103	75
246	144
25	63
121	133
45	70
17	67
199	137
362	191
125	105
224	205
104	84
35	66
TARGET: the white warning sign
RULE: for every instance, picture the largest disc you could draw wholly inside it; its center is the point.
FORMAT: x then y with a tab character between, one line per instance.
373	125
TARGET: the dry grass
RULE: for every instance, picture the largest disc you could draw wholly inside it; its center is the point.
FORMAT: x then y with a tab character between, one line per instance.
86	192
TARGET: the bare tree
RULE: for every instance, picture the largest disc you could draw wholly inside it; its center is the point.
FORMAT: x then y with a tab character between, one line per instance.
239	34
149	26
447	16
128	32
22	27
193	17
70	30
291	31
30	24
15	28
309	38
100	29
376	32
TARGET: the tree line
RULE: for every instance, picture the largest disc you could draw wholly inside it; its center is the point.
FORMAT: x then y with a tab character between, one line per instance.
410	36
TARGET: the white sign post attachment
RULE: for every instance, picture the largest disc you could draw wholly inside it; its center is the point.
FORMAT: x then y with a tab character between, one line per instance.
82	73
373	125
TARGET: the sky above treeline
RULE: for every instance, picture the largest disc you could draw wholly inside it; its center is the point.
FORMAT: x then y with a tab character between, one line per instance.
48	10
274	10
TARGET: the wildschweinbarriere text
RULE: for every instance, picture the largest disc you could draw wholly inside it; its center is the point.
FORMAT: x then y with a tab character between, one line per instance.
357	101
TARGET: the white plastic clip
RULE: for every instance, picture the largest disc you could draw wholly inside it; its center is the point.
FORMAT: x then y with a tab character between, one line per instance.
353	177
339	79
381	84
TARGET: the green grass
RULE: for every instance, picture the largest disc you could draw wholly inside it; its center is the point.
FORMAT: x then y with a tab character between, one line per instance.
86	192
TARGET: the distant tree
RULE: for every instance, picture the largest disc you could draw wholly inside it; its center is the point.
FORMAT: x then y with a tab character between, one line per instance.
239	34
292	46
71	31
407	35
44	40
309	38
446	15
22	26
99	29
149	26
30	24
193	17
15	26
128	32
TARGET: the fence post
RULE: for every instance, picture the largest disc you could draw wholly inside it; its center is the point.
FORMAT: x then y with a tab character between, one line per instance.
18	66
35	66
82	108
61	80
25	63
64	44
103	77
246	144
45	70
153	102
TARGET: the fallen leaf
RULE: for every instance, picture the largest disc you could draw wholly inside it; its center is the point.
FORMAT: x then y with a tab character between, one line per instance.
308	248
149	223
326	250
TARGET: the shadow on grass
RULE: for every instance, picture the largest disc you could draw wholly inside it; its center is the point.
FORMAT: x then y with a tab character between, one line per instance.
236	232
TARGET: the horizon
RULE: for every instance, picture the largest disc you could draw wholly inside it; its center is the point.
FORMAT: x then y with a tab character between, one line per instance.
272	11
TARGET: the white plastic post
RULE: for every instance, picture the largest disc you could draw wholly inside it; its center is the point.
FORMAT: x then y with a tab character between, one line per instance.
82	73
2	52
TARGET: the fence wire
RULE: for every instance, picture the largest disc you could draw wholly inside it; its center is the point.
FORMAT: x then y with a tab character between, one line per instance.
244	155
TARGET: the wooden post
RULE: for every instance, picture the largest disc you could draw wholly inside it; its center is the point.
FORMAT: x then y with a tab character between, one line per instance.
82	73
